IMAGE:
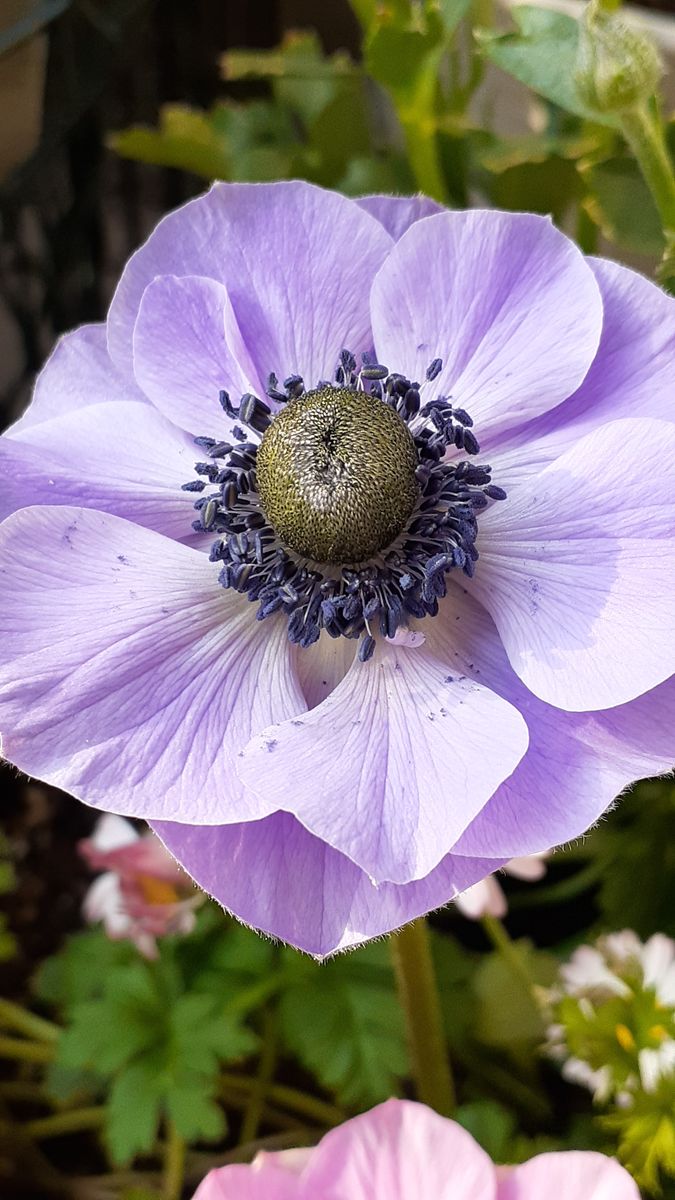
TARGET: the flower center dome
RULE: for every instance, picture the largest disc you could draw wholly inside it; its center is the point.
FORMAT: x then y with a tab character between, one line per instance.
336	475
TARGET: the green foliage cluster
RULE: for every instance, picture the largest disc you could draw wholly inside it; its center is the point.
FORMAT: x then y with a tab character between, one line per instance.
415	113
225	1032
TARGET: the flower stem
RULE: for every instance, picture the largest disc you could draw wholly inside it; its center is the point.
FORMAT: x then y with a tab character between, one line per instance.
421	144
174	1164
420	1001
23	1021
587	232
24	1051
318	1111
644	133
502	942
268	1059
72	1121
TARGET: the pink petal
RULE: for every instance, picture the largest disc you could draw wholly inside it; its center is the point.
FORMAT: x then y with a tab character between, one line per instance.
483	899
265	1179
568	1175
399	1151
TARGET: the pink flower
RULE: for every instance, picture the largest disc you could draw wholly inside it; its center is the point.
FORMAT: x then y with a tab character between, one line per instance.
143	893
486	898
402	1151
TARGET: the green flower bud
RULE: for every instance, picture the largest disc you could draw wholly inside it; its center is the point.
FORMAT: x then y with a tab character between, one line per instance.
617	67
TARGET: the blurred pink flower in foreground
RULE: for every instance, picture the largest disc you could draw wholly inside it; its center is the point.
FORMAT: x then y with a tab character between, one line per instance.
486	898
401	1151
143	893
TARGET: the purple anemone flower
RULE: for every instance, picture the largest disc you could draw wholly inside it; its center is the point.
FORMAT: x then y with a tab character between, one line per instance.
344	552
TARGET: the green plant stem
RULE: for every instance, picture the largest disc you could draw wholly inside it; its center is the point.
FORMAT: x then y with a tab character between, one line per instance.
267	1063
420	1001
20	1019
174	1164
23	1089
587	233
276	1118
291	1098
71	1121
564	889
644	133
422	149
24	1051
255	995
502	942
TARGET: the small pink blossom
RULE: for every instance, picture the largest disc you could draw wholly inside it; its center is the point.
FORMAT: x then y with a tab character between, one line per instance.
486	898
143	894
402	1151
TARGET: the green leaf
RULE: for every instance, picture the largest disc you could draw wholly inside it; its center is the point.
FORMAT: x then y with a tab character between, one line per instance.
130	1006
454	968
7	877
133	1111
646	1133
186	138
542	55
492	1125
202	1036
622	205
550	187
340	131
303	78
343	1022
194	1112
370	174
405	59
365	11
223	958
508	1014
638	831
79	971
452	12
7	941
65	1084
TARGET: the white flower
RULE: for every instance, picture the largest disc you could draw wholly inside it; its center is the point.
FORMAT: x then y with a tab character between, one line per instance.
486	898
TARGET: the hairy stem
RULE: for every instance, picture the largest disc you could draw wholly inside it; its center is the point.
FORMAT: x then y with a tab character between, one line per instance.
71	1121
290	1098
13	1016
268	1059
420	1001
643	130
24	1051
174	1164
502	942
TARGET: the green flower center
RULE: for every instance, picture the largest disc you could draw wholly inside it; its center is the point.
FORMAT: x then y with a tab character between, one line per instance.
335	474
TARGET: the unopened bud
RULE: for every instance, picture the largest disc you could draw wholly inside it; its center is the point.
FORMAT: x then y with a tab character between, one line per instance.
617	67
